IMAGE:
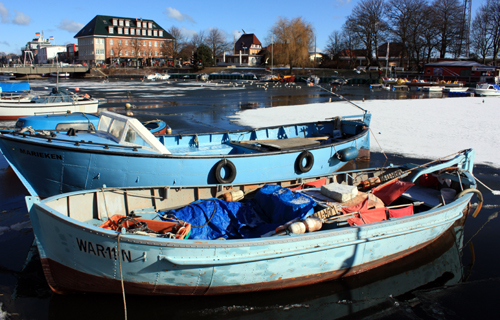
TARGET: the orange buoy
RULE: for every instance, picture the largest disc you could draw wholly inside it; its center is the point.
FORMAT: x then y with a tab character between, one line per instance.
77	89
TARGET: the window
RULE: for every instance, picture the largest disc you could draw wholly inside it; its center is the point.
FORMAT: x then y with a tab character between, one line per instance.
112	52
115	22
150	25
120	23
150	43
144	43
150	33
126	42
161	33
120	30
132	31
155	33
144	32
116	128
120	53
161	44
104	123
132	53
132	43
110	29
111	41
126	53
156	44
144	24
127	23
133	137
119	42
156	53
125	31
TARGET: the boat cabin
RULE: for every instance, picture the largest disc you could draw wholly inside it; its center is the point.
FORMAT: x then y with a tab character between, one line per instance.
129	132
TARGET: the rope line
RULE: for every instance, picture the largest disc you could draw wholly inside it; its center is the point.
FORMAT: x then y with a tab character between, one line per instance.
121	276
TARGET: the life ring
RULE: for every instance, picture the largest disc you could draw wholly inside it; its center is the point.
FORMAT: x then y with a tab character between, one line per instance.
299	163
230	169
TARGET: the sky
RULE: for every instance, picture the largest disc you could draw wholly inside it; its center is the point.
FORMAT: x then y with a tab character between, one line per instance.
404	126
20	20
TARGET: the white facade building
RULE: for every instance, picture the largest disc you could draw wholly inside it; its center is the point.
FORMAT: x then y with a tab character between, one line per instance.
48	54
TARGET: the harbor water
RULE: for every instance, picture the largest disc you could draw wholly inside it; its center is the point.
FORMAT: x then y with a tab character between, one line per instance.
446	280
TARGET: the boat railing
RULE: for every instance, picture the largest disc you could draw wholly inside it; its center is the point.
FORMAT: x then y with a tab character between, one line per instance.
51	138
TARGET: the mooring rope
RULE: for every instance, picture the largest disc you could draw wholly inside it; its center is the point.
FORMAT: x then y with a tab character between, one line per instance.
373	135
121	276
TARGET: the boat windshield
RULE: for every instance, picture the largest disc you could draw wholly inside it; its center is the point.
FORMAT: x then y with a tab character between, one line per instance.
113	126
129	131
133	137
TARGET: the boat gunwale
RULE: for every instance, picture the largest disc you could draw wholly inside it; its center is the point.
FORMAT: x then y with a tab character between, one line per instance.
30	104
253	242
73	148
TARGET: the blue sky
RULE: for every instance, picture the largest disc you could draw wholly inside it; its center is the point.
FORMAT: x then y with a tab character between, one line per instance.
20	20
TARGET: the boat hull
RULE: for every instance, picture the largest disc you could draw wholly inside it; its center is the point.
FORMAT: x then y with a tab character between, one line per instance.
80	257
15	110
487	93
53	169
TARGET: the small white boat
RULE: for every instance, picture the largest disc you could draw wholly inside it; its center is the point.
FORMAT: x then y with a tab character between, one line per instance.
55	102
487	89
313	80
455	89
202	77
157	76
61	74
433	89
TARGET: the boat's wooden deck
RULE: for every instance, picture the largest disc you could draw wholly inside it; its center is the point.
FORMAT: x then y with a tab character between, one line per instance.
279	144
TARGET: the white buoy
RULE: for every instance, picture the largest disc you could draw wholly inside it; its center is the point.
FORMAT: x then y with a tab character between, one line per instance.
297	227
313	224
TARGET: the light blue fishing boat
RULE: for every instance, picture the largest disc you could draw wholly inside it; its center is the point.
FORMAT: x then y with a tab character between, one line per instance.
116	240
123	153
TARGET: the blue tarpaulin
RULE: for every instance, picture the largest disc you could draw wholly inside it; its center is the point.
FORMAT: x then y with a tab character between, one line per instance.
13	87
271	207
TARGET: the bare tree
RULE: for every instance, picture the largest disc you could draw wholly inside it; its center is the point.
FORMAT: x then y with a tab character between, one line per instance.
448	18
292	41
367	22
174	48
334	45
493	7
482	39
217	42
136	46
419	27
405	17
198	39
118	49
